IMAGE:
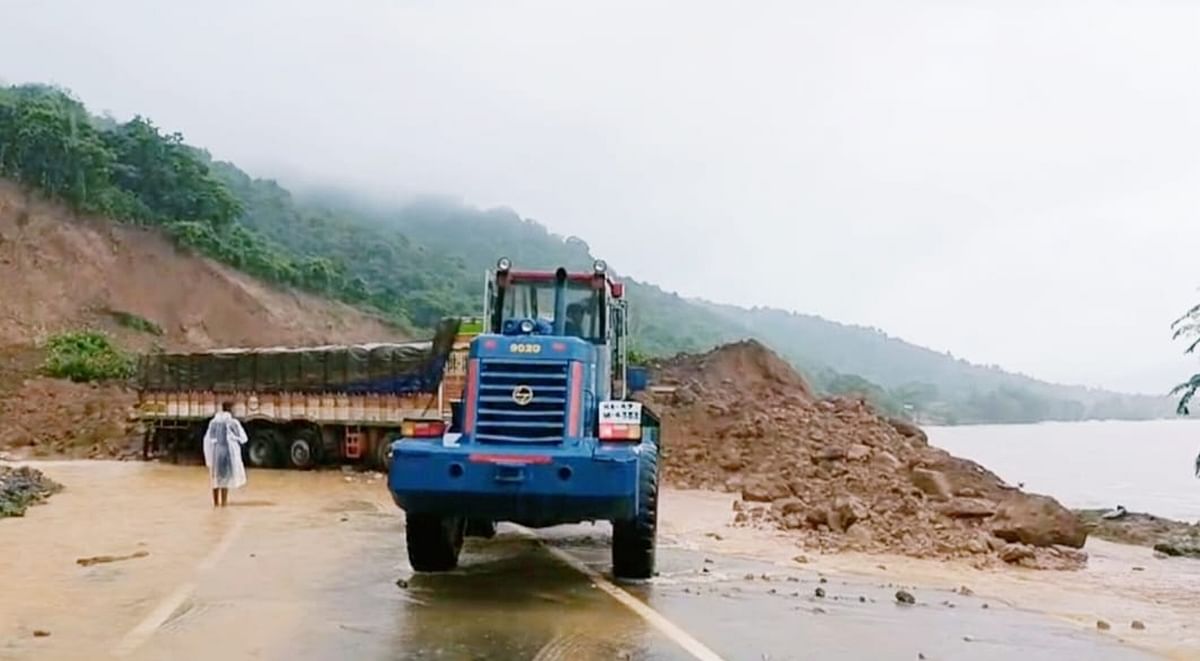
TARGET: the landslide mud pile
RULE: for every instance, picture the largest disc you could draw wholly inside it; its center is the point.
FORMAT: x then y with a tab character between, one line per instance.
54	418
22	487
836	474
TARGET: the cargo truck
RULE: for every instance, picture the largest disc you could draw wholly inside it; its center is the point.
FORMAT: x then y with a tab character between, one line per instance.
303	406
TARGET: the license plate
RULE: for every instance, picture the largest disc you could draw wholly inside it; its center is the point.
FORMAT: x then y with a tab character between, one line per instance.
620	413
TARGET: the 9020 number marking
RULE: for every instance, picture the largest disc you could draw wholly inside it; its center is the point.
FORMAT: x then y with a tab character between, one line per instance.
524	347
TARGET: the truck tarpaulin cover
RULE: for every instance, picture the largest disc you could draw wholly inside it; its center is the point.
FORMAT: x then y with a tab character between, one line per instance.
394	369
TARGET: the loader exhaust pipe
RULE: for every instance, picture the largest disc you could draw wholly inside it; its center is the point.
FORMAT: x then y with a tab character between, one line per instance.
560	301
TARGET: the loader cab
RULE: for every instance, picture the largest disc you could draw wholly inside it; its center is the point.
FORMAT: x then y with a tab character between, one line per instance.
589	306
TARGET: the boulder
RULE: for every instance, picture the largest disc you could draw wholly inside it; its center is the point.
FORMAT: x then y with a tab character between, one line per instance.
933	483
1015	553
908	429
831	453
732	462
1075	556
845	512
1039	521
858	452
977	546
765	491
886	460
968	508
788	505
816	517
1179	546
993	543
860	534
799	487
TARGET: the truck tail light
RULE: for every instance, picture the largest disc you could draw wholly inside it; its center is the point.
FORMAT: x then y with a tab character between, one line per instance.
574	412
613	431
422	428
472	399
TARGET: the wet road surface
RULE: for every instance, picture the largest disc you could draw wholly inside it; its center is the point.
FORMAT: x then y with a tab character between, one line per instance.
306	566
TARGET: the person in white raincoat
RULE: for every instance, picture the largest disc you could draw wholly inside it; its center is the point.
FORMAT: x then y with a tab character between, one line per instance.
223	454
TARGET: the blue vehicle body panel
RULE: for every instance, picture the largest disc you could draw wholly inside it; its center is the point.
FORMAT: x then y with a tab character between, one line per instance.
537	487
522	462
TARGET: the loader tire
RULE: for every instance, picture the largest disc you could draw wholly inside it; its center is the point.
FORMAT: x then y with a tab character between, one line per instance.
634	541
434	541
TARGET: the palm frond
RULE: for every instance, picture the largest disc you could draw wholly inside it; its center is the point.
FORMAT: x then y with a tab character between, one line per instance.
1186	391
1192	347
1195	310
1188	329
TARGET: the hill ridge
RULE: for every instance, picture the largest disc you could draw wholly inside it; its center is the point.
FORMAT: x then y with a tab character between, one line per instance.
418	262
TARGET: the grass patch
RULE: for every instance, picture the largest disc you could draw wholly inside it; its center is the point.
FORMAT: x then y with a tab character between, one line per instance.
86	356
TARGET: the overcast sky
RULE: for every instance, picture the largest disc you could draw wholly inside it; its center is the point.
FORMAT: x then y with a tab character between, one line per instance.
1016	182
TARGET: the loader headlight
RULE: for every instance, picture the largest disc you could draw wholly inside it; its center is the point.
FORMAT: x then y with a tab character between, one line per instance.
600	267
503	264
526	326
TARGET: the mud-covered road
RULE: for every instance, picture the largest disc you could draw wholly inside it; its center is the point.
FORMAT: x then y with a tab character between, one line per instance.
312	566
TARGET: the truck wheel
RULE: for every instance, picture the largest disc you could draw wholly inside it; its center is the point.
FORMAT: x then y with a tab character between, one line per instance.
481	528
383	454
262	450
303	451
634	541
434	542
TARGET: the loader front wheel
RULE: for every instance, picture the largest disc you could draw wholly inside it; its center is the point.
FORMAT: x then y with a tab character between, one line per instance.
634	541
434	541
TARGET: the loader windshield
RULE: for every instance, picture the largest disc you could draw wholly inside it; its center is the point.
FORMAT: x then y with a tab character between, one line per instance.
535	300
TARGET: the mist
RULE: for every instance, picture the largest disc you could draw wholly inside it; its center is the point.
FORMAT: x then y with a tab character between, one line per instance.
1015	182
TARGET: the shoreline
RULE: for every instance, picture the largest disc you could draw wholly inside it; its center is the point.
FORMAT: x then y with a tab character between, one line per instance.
1165	536
1120	584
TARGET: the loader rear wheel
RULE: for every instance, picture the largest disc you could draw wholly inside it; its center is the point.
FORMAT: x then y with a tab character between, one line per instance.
434	542
634	541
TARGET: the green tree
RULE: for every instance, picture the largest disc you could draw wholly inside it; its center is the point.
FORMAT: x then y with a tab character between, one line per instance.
47	142
171	179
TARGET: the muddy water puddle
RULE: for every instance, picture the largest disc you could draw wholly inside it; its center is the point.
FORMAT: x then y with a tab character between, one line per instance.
306	566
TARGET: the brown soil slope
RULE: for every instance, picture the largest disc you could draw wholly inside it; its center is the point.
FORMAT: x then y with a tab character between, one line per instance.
64	272
837	474
61	271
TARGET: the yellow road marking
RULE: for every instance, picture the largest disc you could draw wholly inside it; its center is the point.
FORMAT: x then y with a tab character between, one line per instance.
652	617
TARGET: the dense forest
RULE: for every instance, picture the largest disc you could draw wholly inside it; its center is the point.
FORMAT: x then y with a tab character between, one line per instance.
418	262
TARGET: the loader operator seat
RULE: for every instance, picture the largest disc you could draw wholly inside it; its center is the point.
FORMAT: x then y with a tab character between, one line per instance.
574	325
